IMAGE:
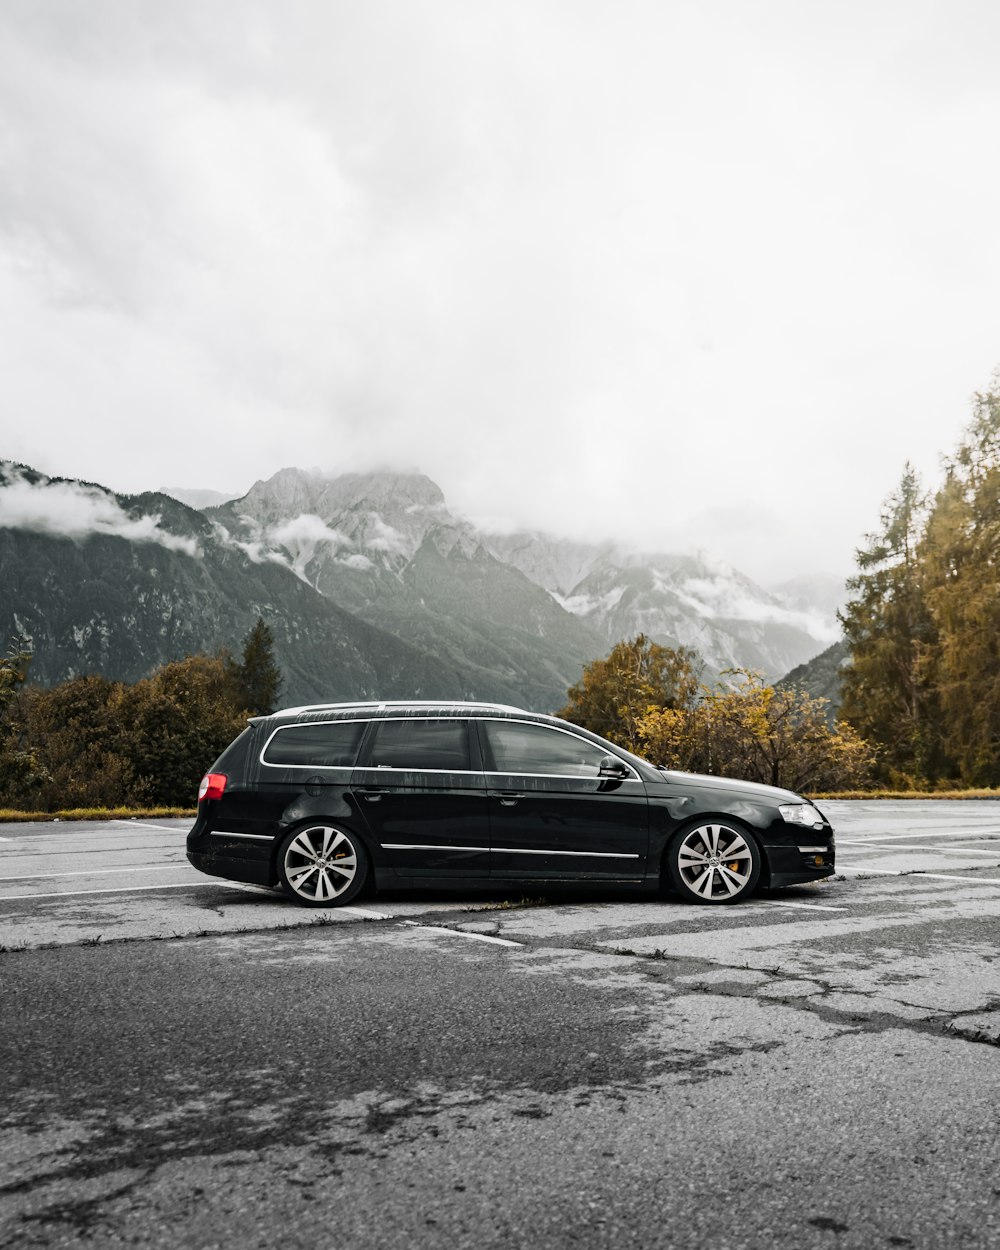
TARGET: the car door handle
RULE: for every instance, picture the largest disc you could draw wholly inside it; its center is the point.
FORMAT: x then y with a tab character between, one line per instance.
371	796
509	799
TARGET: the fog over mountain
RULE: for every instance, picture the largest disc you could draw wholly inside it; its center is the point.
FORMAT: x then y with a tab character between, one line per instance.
371	584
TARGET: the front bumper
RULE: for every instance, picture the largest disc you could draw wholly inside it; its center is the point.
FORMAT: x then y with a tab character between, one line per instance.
810	858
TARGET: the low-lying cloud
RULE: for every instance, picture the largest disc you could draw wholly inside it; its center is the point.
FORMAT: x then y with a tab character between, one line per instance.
722	598
73	510
302	535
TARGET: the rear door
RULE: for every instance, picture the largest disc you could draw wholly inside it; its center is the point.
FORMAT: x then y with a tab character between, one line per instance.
552	814
422	791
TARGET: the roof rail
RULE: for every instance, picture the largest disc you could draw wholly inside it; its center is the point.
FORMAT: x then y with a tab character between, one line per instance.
381	705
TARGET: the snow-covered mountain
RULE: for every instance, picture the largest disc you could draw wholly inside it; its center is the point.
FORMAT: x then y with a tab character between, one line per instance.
385	547
369	541
687	600
370	584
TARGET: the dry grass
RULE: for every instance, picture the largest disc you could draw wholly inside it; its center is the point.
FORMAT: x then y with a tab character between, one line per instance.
8	815
907	794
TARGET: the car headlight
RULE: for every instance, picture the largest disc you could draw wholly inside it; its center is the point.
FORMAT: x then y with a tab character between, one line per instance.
802	814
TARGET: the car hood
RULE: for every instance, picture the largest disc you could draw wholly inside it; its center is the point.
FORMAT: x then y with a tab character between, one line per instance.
774	794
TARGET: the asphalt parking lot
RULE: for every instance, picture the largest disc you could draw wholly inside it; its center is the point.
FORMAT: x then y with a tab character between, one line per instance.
199	1063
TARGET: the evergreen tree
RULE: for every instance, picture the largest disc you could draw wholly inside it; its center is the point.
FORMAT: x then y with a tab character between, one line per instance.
887	690
257	680
961	552
615	693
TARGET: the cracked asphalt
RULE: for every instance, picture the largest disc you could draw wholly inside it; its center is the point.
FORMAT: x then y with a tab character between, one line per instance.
197	1065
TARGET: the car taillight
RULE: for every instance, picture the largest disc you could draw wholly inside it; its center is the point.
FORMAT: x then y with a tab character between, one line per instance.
212	786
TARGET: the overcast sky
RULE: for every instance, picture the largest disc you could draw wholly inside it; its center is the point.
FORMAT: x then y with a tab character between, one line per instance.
688	273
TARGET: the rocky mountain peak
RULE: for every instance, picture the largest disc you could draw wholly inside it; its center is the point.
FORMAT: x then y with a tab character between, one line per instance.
292	492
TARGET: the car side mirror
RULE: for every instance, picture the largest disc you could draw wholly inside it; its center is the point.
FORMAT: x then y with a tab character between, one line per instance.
612	767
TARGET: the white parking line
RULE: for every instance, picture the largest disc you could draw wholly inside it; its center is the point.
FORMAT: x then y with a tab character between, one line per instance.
141	824
939	833
950	850
92	872
936	876
122	889
773	902
368	915
478	937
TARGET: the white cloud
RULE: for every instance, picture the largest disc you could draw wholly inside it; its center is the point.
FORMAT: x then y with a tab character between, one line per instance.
722	598
594	268
301	536
381	536
72	510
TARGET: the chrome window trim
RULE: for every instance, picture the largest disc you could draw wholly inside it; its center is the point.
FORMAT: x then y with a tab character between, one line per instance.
503	850
458	772
569	776
479	773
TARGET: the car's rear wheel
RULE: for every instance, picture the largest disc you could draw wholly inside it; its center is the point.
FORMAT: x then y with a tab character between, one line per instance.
322	865
715	861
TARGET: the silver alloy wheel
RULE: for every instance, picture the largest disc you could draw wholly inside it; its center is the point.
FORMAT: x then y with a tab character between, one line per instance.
320	864
716	863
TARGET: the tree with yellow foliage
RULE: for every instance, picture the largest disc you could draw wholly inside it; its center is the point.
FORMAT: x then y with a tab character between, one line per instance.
754	732
615	693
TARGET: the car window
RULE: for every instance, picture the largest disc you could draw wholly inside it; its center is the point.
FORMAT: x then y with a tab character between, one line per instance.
333	744
438	745
523	748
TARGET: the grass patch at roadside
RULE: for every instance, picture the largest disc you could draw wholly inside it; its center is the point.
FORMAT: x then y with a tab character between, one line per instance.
11	816
906	794
509	904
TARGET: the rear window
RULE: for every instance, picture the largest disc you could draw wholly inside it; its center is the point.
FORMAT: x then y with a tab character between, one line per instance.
434	745
332	744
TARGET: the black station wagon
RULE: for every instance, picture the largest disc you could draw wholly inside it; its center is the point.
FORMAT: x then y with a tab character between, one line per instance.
324	800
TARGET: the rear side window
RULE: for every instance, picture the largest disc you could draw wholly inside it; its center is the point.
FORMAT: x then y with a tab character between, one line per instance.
333	744
435	745
523	748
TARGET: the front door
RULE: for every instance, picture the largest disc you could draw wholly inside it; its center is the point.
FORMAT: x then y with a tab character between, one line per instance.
552	814
424	797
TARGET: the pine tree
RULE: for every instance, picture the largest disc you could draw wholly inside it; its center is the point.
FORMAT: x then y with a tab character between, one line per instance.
257	680
887	693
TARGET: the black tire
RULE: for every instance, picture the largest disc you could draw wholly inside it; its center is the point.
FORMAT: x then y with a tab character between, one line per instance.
322	865
713	861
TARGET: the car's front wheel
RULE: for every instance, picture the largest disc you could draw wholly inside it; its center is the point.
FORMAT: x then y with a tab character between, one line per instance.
322	866
713	862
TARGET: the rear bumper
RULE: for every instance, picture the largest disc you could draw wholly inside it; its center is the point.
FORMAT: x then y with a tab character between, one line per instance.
254	872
